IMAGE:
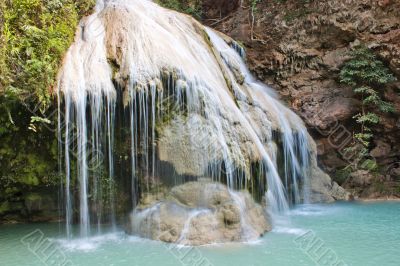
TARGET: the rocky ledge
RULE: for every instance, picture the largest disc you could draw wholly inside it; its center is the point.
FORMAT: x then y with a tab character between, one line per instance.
199	213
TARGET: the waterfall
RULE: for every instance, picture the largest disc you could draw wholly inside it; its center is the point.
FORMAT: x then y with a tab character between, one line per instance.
182	98
247	231
86	58
186	227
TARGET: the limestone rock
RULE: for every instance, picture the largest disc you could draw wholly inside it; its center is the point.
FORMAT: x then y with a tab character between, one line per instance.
199	213
323	189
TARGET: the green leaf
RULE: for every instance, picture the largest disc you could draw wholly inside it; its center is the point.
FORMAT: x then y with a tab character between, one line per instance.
35	119
369	165
368	118
386	107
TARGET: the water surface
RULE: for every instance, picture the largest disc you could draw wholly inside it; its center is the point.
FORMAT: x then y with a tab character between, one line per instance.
351	233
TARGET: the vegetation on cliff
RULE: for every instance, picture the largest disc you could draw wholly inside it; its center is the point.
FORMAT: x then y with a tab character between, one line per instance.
34	36
367	76
191	7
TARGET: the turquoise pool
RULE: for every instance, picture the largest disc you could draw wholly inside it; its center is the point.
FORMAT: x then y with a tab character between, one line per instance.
329	234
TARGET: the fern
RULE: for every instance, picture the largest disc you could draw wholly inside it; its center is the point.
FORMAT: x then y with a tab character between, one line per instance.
34	37
367	75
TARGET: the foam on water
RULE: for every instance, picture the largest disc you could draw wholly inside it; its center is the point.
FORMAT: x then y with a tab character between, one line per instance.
289	230
90	244
310	210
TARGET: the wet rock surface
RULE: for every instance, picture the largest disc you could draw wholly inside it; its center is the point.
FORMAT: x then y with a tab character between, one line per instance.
199	213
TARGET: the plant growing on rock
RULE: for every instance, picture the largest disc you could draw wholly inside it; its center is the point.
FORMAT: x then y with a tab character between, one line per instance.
191	7
367	75
34	36
253	6
33	39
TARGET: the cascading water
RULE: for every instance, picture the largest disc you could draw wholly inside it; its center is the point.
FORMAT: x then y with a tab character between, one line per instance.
188	223
85	59
189	103
291	129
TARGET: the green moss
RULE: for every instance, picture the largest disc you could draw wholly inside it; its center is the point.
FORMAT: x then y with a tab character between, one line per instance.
341	175
34	36
3	66
379	187
29	159
33	197
191	7
4	207
29	179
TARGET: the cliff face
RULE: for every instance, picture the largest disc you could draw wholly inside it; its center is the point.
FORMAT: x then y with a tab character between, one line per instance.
34	36
298	47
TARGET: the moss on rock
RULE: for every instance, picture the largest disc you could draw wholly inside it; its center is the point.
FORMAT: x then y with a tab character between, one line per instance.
34	36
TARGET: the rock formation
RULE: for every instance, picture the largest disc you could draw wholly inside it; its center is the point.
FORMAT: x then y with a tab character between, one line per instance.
298	47
199	213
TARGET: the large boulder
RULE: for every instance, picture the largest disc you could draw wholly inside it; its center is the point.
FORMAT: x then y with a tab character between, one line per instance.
198	213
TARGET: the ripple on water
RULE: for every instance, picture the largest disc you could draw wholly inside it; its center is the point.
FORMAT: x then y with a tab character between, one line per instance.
89	243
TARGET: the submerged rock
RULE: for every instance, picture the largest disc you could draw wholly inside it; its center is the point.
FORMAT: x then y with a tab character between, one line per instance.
199	213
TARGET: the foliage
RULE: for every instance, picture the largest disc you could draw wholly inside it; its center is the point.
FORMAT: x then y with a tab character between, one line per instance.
34	37
37	119
191	7
368	76
27	160
253	8
3	69
342	175
253	5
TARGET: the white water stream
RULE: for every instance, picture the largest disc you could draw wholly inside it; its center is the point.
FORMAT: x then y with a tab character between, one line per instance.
174	73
